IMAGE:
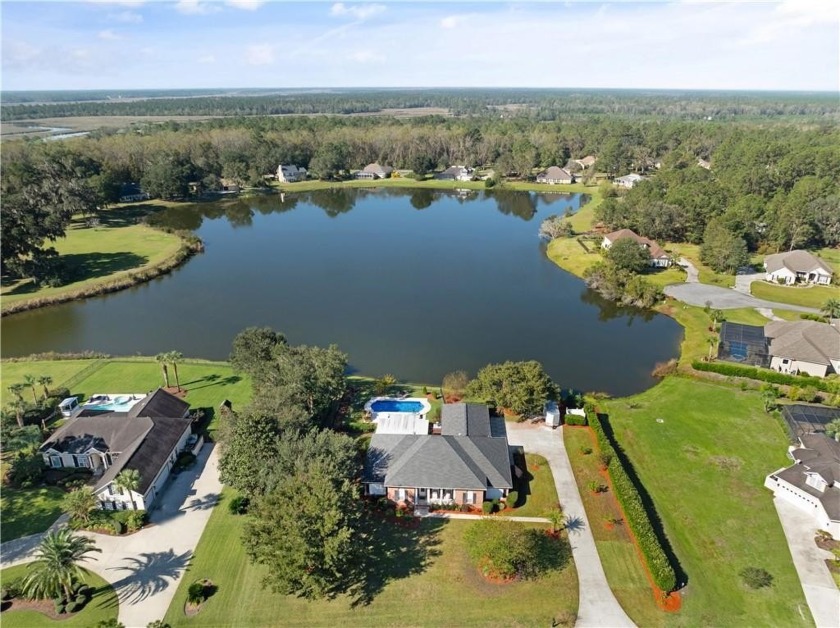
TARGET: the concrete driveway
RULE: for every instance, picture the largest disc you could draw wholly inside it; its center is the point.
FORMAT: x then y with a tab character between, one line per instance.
725	298
743	281
820	592
146	567
597	606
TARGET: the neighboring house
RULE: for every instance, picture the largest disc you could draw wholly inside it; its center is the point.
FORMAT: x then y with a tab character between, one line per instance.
658	257
131	193
467	463
456	173
374	171
586	162
804	347
628	180
229	186
147	438
704	164
798	265
555	175
290	174
812	483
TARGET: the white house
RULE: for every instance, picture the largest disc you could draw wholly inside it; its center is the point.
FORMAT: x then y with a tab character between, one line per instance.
555	175
798	265
658	257
290	174
812	483
804	347
147	439
374	171
456	173
628	180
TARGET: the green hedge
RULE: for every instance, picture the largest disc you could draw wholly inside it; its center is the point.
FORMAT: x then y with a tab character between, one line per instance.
574	419
637	515
766	375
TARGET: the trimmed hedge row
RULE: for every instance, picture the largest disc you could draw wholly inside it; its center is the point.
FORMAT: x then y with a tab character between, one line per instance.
766	375
654	554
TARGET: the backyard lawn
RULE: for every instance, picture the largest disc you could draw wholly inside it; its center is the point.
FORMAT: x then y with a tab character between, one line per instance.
103	606
103	253
426	579
27	511
537	492
702	451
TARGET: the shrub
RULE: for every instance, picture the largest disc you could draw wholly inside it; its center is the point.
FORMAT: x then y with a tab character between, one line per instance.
239	505
512	499
766	375
594	486
195	593
119	527
134	519
487	507
59	606
575	419
72	607
185	460
80	600
425	390
636	515
509	550
500	506
586	450
605	458
756	578
11	589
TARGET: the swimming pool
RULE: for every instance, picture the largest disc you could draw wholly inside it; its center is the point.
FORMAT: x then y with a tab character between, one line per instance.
112	403
397	405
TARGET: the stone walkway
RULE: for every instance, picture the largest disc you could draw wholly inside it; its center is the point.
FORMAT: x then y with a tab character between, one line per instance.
597	606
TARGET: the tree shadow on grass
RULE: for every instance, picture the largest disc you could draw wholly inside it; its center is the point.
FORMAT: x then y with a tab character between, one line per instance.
150	574
81	266
392	552
212	380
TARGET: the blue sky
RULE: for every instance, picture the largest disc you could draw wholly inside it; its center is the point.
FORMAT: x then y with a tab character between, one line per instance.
785	45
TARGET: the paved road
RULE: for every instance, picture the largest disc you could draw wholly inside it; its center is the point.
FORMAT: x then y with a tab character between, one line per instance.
725	298
597	606
145	568
820	592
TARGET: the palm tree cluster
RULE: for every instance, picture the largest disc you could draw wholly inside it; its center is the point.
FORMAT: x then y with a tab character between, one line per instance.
56	568
167	359
18	404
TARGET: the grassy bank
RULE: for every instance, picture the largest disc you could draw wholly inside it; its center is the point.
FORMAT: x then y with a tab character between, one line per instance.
117	253
702	451
103	605
427	579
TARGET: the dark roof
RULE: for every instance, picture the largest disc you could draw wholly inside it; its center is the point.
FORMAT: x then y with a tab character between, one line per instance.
160	404
465	419
745	344
104	432
808	419
130	189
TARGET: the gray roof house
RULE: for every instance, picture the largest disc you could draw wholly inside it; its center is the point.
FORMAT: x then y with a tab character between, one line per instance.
804	347
290	173
456	173
812	483
555	175
798	265
147	439
374	171
468	462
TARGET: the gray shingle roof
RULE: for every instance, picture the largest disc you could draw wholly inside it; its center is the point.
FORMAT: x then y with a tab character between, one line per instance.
821	455
104	432
465	419
797	261
807	341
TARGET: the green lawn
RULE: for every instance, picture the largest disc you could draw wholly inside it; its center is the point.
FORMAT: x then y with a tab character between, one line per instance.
620	558
429	581
569	255
27	511
101	607
692	253
104	253
808	296
539	494
704	467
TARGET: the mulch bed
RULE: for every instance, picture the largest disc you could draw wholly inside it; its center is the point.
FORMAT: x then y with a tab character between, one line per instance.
173	390
826	543
45	607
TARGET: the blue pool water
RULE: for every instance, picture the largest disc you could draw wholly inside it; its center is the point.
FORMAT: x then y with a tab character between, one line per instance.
395	405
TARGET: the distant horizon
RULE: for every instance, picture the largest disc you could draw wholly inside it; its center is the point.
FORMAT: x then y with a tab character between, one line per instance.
689	45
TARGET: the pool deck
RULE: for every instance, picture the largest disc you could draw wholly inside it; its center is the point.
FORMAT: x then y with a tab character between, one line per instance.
399	422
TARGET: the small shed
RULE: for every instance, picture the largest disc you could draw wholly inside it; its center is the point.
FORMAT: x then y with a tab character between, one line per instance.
552	414
68	406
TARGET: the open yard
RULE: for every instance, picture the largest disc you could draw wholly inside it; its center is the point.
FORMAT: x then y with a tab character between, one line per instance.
537	491
425	579
103	606
692	253
702	451
28	511
98	254
809	296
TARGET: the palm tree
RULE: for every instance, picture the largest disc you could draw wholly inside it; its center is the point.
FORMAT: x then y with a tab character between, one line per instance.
174	358
18	404
162	359
128	481
555	518
80	503
712	342
831	309
29	381
56	568
45	380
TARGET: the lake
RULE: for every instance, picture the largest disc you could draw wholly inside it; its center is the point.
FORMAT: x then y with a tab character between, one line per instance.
415	283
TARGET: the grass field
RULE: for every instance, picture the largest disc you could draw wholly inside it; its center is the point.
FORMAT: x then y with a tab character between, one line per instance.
808	296
621	561
103	606
98	254
704	467
429	581
706	274
540	494
27	511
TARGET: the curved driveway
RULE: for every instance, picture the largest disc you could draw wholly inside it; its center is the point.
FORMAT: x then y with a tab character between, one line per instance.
597	606
725	298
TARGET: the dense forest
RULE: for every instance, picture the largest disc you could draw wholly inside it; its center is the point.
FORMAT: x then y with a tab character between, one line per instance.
539	104
770	187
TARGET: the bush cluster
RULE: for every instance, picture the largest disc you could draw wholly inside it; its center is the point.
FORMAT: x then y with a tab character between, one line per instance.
575	419
512	498
637	515
766	375
506	549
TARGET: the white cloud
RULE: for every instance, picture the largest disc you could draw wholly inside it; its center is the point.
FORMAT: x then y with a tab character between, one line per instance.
260	54
246	5
207	59
126	17
109	35
450	21
367	56
194	7
357	11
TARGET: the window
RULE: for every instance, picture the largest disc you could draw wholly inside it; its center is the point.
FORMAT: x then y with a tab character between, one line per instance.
469	497
400	494
55	462
81	461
